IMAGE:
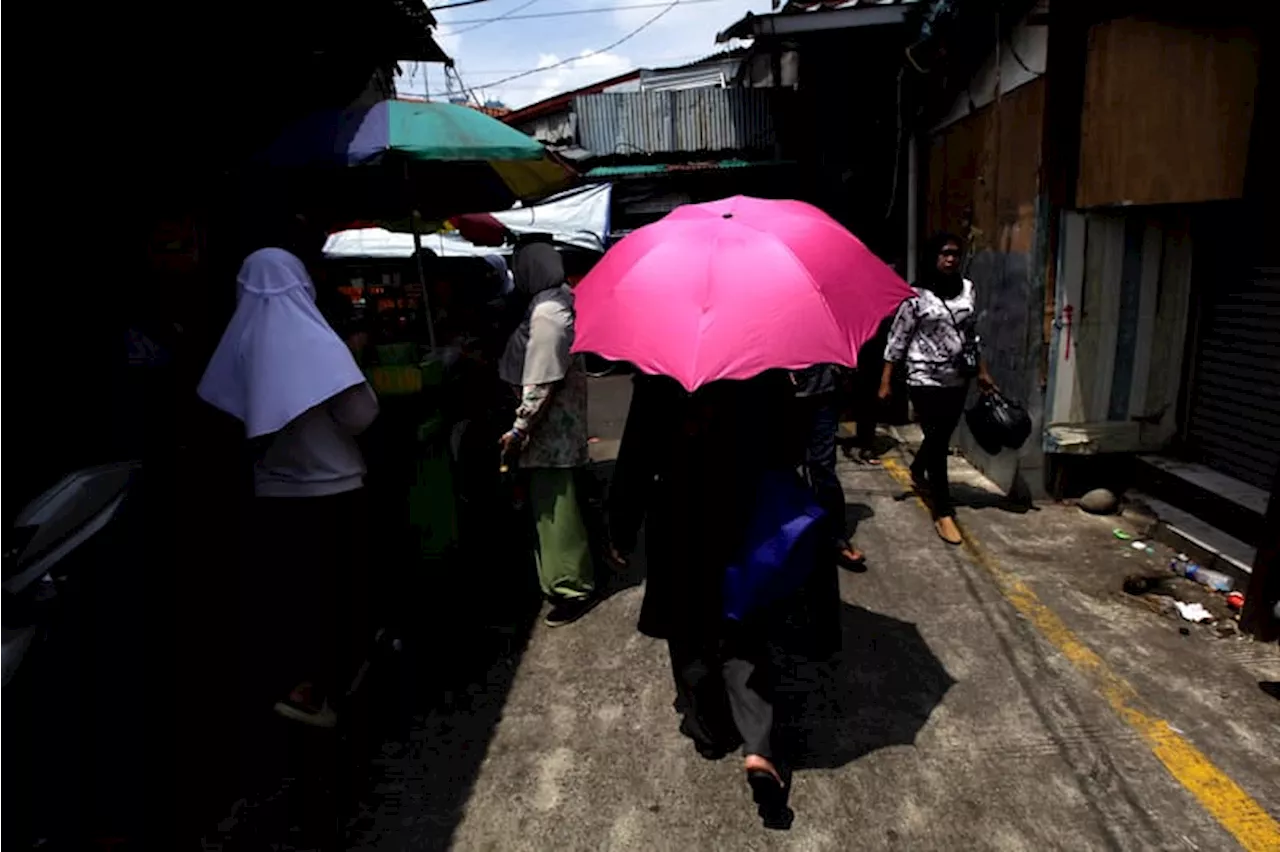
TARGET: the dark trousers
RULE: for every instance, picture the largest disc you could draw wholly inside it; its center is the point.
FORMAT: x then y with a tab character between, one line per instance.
725	695
938	410
823	413
304	602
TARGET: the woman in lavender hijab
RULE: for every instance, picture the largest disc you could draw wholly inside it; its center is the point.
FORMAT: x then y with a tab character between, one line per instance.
282	371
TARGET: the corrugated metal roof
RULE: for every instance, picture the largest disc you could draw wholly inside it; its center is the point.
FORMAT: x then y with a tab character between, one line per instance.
711	75
802	6
686	120
842	14
648	169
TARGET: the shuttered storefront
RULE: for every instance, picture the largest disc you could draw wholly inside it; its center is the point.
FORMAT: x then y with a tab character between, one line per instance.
1233	422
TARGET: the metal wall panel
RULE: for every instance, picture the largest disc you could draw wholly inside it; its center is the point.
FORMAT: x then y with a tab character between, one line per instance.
1124	287
690	120
1235	412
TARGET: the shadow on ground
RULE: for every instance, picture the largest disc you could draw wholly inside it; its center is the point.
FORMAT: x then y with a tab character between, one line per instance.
878	692
963	494
977	498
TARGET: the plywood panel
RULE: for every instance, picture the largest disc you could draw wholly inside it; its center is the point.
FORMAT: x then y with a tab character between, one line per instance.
984	173
1167	113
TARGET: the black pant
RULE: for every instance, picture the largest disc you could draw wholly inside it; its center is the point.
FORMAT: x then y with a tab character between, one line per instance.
938	410
823	415
305	601
725	694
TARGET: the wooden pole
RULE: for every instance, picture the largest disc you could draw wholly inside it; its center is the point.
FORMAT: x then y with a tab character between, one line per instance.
422	278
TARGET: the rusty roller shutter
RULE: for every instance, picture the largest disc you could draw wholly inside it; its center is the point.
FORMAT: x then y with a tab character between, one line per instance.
1234	419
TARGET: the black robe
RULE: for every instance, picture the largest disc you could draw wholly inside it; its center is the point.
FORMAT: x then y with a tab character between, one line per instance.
688	467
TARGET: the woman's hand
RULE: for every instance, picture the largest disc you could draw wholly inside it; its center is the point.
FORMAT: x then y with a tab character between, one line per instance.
986	384
886	380
616	558
512	441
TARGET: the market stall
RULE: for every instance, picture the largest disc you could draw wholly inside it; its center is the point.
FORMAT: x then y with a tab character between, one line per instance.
432	455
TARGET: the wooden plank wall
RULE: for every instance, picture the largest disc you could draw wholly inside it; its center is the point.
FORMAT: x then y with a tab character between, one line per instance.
983	182
1167	113
983	173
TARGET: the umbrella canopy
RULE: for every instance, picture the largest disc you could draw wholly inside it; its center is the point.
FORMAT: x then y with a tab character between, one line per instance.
577	218
729	289
438	159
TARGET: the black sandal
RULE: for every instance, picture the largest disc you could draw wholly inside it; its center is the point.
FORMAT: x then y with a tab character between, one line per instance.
767	790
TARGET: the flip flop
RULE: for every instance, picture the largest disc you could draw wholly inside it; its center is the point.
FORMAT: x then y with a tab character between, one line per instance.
767	790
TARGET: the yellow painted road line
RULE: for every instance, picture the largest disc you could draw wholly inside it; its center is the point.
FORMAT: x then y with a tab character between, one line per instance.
1222	797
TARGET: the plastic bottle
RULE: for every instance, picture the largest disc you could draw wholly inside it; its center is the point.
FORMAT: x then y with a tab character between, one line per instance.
1215	580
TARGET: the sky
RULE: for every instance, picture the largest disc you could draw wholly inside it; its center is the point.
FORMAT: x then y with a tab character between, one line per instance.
486	52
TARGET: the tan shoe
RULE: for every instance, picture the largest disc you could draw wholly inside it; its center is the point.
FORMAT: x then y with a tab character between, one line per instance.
948	531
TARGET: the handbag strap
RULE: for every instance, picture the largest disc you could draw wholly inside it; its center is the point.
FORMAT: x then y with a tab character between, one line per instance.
964	335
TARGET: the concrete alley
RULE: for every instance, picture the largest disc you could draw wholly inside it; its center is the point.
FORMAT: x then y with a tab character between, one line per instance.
1003	696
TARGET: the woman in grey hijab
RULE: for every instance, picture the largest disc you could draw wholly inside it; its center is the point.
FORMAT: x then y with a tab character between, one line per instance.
549	434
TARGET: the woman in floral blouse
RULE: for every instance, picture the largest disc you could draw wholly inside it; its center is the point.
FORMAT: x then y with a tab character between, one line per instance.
549	432
934	332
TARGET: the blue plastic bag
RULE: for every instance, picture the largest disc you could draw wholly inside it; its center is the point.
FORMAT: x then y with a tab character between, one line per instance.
780	550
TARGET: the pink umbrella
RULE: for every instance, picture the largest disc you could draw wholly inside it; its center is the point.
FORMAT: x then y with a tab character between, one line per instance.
729	289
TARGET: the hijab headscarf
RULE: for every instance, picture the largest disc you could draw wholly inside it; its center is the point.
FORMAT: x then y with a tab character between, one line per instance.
278	356
537	352
499	266
945	286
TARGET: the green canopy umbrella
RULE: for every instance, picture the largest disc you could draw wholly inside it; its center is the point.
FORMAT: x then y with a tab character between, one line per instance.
427	161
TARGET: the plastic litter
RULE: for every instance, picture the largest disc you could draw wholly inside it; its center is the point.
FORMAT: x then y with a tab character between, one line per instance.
1139	545
1151	551
1235	600
1121	534
1182	557
1193	612
1215	580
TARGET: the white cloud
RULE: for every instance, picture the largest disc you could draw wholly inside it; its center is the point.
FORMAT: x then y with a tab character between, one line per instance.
588	68
492	52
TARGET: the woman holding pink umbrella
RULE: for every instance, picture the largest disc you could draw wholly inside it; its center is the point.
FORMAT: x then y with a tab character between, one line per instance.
690	471
715	303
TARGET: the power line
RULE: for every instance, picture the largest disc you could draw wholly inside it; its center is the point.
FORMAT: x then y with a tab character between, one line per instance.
456	5
484	23
654	62
568	13
586	55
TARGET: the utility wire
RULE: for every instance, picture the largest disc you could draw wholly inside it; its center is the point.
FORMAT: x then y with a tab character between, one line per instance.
483	22
568	13
455	5
587	55
660	61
